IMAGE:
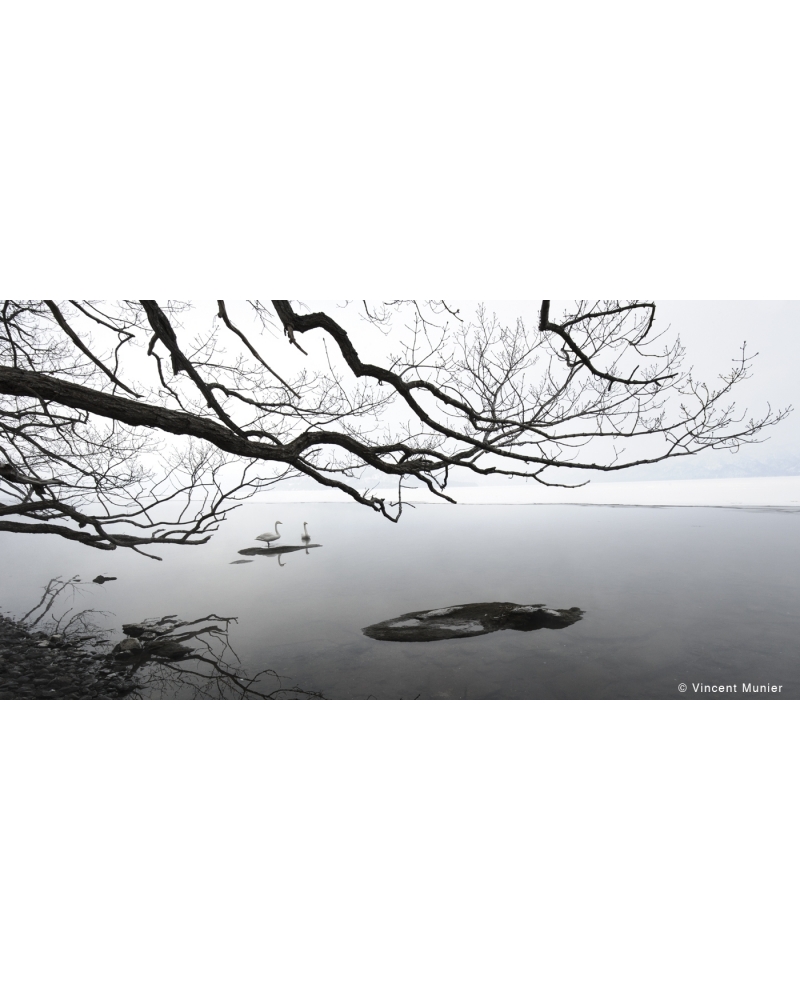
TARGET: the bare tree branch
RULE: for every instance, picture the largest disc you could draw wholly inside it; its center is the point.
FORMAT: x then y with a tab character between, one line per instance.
423	393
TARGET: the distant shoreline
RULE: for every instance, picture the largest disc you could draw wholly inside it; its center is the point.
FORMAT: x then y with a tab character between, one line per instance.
749	493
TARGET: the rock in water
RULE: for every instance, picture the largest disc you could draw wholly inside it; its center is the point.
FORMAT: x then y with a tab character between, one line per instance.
128	646
276	550
462	621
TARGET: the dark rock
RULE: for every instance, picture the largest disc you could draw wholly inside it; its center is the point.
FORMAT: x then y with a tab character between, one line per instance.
463	621
134	630
127	646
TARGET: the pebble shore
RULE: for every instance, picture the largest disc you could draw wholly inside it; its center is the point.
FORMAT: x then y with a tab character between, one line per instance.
38	665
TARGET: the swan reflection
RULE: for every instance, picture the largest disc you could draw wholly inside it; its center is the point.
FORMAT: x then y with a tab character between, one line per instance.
278	551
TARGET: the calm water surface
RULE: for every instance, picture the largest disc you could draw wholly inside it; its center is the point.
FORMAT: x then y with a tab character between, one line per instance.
669	595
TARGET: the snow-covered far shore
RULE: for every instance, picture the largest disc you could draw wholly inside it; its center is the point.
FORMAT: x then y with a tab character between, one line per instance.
774	491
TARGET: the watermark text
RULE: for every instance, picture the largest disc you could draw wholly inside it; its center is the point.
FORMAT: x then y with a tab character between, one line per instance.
740	687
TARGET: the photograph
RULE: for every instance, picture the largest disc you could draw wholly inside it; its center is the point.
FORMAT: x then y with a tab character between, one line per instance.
404	499
519	577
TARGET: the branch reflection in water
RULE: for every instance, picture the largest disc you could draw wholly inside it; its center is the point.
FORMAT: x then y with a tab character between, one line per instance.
156	648
73	657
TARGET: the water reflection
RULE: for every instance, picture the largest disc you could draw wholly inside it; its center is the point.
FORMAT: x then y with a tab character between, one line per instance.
278	550
463	621
270	537
174	668
664	603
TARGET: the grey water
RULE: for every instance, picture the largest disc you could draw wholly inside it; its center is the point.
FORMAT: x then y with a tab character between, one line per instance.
698	596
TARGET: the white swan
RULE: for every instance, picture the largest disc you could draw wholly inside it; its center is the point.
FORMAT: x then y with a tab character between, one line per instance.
305	538
270	536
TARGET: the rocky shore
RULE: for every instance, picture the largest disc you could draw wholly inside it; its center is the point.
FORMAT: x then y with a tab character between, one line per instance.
82	662
37	665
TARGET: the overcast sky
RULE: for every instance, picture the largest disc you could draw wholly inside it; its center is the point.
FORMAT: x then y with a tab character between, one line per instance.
712	333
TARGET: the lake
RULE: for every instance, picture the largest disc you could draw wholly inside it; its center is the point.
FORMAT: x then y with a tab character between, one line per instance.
668	596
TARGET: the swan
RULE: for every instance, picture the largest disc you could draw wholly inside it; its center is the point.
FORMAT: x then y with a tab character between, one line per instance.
270	536
305	538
